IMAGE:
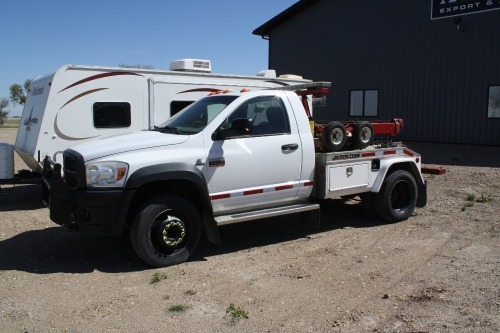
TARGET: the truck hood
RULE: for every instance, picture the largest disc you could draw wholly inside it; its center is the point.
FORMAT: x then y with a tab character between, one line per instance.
127	142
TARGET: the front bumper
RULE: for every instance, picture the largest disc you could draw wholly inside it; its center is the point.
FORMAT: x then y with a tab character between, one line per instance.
97	212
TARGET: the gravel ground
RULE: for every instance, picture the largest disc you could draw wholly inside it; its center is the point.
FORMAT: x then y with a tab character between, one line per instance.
437	272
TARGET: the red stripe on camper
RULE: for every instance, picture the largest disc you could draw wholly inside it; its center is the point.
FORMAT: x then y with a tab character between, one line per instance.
199	90
99	76
81	95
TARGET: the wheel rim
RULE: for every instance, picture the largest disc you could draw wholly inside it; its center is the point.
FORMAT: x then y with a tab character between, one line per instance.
169	233
336	137
401	196
366	134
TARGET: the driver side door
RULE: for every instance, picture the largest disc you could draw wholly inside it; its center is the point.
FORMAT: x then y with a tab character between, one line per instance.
259	168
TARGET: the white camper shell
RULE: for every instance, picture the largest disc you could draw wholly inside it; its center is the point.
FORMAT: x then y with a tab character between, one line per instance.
81	103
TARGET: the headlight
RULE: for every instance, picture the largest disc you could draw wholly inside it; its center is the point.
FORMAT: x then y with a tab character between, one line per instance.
106	174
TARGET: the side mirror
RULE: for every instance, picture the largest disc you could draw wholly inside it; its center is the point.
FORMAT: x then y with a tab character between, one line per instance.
239	127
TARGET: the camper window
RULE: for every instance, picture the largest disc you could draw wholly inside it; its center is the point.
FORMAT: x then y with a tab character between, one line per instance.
176	106
111	114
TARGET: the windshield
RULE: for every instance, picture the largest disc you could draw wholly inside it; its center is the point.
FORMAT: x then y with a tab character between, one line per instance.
194	118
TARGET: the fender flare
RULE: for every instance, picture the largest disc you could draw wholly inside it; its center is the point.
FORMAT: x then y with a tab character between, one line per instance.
179	171
409	166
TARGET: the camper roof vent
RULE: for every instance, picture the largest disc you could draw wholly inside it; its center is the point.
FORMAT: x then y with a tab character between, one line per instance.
191	65
269	73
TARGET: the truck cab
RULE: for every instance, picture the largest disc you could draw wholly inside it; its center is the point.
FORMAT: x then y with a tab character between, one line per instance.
227	153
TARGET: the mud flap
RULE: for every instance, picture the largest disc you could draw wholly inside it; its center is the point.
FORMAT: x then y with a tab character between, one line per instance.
211	231
59	198
422	195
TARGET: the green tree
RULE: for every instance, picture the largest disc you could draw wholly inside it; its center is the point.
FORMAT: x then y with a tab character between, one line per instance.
4	102
19	94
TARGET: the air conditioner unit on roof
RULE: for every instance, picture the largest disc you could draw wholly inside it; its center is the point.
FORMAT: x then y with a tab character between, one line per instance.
191	65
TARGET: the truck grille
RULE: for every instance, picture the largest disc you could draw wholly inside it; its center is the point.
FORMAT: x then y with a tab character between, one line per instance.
74	169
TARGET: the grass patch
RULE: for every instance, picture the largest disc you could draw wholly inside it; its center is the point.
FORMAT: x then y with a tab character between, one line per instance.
494	232
468	204
471	197
236	311
178	308
190	292
484	198
10	123
157	277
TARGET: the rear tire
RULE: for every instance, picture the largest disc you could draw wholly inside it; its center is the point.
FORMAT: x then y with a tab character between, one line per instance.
334	136
397	198
166	231
363	134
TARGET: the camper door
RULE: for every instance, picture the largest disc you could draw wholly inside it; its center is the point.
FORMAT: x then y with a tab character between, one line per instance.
31	120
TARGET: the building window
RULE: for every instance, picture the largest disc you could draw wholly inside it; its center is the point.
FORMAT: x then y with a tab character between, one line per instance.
494	102
364	103
111	114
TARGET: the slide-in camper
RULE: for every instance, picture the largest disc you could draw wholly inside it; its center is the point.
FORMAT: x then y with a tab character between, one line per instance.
81	103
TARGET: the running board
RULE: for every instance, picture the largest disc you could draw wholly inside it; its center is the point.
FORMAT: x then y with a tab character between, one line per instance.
265	213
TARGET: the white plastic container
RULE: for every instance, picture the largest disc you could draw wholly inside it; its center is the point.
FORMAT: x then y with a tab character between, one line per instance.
6	161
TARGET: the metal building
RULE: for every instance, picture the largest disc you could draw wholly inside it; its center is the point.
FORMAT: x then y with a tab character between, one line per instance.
434	63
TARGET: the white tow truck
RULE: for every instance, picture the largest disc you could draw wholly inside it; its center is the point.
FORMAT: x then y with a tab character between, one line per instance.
228	158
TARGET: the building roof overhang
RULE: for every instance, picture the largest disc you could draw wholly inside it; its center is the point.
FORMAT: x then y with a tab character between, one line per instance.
287	14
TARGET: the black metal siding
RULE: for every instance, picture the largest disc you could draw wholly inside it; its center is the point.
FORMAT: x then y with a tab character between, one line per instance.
427	72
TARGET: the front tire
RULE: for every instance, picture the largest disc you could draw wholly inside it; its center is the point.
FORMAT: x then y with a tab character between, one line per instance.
397	198
166	231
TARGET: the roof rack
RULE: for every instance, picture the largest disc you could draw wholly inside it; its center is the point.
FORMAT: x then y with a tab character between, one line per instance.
305	86
317	89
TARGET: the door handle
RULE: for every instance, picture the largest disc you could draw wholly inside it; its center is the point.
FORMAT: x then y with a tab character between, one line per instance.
289	147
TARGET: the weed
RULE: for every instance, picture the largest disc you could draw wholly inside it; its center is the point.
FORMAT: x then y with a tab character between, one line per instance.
190	292
484	198
166	297
178	308
471	197
236	312
157	277
467	205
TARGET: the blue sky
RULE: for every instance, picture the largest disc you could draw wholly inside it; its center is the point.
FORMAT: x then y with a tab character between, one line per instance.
37	37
